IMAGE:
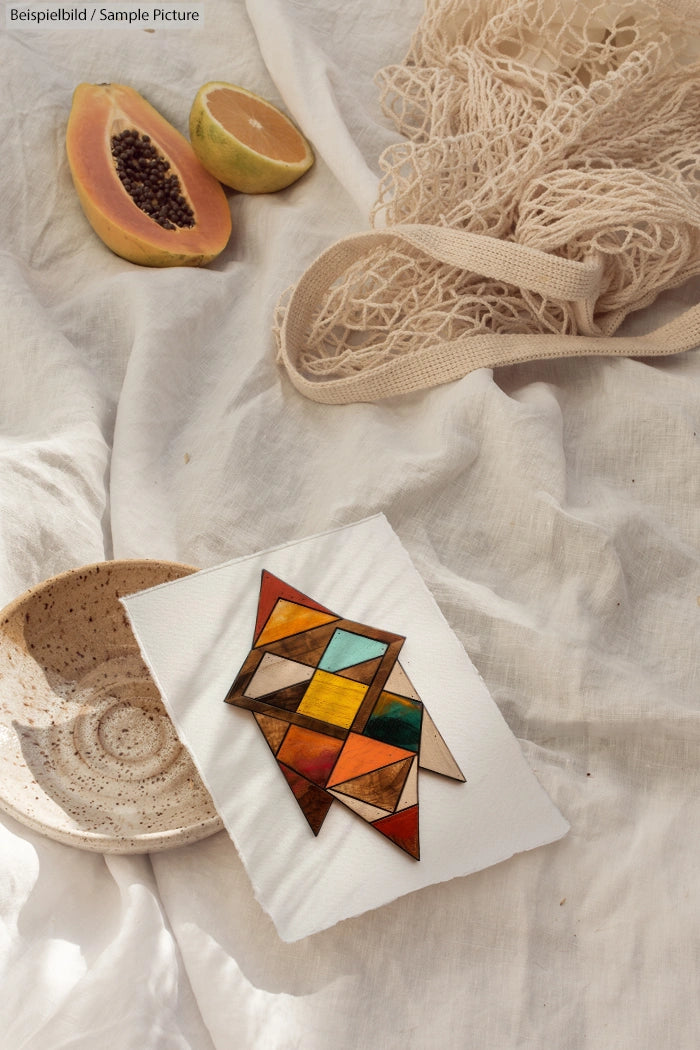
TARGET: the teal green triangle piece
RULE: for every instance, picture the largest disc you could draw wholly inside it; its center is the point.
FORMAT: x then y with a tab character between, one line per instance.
347	648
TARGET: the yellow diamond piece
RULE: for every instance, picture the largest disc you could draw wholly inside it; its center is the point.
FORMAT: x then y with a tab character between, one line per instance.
332	699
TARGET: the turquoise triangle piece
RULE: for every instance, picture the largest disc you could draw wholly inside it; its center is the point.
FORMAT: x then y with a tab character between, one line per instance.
346	648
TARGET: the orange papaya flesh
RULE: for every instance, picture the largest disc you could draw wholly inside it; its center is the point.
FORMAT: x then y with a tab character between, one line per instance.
100	114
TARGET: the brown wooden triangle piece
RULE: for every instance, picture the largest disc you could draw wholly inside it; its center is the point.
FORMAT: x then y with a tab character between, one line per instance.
382	787
313	801
363	672
273	729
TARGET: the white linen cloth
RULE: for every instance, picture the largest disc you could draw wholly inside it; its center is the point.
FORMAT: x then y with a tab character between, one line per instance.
552	510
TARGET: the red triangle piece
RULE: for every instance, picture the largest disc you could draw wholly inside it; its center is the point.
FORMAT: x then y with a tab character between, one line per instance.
272	588
401	828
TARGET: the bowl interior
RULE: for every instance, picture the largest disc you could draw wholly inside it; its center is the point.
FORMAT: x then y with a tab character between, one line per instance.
90	756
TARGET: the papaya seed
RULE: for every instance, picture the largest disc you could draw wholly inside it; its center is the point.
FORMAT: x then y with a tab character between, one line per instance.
142	173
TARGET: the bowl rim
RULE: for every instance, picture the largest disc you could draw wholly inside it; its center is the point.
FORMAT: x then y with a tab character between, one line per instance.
59	577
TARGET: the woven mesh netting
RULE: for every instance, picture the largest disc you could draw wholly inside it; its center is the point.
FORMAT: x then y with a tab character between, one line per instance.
570	127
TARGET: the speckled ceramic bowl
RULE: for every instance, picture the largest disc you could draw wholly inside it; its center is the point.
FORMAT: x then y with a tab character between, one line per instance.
88	754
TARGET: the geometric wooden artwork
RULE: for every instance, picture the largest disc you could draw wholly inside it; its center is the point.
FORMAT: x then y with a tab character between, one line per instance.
339	713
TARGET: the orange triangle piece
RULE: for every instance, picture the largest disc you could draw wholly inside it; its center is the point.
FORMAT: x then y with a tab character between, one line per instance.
310	753
290	618
362	754
402	829
272	588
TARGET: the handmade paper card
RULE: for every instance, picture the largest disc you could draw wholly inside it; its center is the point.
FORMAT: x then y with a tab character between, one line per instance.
346	739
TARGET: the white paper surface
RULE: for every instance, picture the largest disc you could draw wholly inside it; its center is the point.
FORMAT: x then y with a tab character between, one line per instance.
196	633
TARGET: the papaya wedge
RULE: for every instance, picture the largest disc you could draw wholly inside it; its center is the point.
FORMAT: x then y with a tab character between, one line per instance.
139	182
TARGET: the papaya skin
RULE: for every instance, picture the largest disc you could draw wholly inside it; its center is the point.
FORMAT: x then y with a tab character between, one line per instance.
98	112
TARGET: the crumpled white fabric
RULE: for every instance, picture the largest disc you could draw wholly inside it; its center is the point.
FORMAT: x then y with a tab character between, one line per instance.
552	510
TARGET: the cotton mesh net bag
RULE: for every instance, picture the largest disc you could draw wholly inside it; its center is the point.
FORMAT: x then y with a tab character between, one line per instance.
547	184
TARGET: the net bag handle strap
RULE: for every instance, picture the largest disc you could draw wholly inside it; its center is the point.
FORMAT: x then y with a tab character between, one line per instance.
442	361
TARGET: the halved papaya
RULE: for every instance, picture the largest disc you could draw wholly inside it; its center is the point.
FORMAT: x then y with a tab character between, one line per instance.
139	182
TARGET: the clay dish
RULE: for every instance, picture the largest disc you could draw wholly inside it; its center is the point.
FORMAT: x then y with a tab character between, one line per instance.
88	754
